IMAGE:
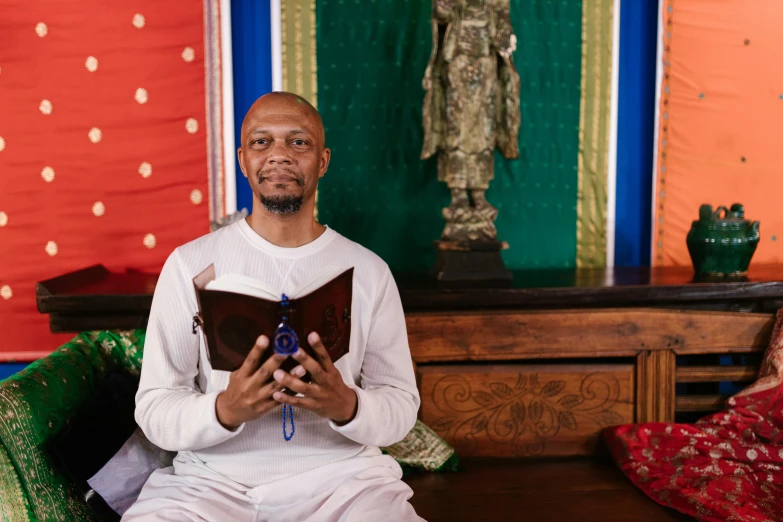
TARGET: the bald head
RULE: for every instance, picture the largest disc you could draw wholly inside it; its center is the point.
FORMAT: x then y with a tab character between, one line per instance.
282	104
283	152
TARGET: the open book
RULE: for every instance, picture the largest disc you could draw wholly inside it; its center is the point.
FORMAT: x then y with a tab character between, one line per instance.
233	310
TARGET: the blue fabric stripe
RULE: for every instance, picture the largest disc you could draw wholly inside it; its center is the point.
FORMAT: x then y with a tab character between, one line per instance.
6	370
635	131
251	48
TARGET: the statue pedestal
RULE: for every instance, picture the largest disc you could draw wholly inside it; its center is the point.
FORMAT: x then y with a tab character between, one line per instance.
470	261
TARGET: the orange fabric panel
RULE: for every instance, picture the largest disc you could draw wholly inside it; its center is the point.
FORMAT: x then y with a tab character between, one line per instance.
720	134
103	157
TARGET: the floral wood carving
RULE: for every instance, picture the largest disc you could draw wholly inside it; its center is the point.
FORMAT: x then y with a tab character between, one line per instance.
525	416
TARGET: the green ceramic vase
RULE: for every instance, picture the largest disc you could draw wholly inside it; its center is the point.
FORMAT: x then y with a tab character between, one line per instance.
721	243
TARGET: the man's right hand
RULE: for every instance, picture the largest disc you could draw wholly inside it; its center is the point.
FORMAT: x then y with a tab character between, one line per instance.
250	388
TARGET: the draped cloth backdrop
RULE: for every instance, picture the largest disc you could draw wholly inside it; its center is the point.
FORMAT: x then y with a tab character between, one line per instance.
110	122
111	144
720	118
363	62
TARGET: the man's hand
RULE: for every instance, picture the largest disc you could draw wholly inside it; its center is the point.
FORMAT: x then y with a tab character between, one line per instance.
327	396
249	395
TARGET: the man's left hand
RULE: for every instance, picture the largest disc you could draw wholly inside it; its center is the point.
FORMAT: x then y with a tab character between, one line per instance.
327	395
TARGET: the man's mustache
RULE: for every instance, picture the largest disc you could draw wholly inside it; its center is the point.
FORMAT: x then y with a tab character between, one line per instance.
298	178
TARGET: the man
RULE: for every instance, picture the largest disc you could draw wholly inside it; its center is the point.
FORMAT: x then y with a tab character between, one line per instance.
233	462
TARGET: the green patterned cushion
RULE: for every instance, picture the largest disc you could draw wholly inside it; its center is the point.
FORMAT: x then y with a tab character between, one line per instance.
37	403
423	450
124	349
14	506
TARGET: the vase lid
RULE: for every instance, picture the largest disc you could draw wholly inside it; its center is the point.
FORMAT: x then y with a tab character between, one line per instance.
722	217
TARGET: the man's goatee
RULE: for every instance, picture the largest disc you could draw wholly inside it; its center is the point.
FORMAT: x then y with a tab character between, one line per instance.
282	204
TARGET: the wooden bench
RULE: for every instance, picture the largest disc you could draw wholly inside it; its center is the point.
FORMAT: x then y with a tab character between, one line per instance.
503	387
535	490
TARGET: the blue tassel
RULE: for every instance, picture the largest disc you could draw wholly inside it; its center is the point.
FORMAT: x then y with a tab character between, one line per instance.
290	414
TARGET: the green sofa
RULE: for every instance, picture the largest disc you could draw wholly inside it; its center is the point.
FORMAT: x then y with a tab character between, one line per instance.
38	405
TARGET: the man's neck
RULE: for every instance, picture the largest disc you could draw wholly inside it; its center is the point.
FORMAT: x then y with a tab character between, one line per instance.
287	231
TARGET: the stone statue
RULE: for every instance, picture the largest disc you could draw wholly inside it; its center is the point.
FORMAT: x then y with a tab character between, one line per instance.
470	108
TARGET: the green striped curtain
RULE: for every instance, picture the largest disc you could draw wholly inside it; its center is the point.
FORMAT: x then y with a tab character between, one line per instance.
370	59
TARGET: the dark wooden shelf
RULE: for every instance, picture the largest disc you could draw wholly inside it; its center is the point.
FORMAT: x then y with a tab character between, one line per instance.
96	289
591	288
95	298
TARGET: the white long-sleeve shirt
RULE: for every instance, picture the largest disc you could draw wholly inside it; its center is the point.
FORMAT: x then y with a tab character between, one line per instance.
175	404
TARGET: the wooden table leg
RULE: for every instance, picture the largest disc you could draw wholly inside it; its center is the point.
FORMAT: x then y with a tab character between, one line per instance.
655	373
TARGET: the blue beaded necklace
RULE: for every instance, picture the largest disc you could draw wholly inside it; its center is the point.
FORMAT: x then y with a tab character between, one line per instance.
286	343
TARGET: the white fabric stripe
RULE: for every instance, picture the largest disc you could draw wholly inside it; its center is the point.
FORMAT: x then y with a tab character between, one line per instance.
229	164
277	46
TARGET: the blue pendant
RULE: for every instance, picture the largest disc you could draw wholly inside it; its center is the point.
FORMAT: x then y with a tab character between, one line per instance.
285	341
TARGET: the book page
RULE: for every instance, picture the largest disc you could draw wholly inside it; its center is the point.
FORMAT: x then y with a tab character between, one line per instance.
328	273
240	284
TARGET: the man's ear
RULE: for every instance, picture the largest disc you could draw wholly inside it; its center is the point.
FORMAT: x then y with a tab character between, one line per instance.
241	163
326	156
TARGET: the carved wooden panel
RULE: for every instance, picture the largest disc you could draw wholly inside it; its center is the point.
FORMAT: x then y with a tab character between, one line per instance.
525	410
509	335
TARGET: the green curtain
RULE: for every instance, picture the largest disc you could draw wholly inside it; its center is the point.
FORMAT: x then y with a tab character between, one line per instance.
371	57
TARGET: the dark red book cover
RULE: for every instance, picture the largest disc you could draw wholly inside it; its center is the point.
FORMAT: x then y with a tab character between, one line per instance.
232	322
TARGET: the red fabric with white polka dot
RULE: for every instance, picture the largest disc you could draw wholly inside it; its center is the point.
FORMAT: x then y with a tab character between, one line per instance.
103	149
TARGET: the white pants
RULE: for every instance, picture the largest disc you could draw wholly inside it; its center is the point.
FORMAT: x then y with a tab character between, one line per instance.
361	489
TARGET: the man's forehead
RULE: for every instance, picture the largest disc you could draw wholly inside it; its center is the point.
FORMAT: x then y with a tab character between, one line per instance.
269	119
286	110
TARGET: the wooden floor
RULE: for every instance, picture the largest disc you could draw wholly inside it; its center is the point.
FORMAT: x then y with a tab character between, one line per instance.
540	491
